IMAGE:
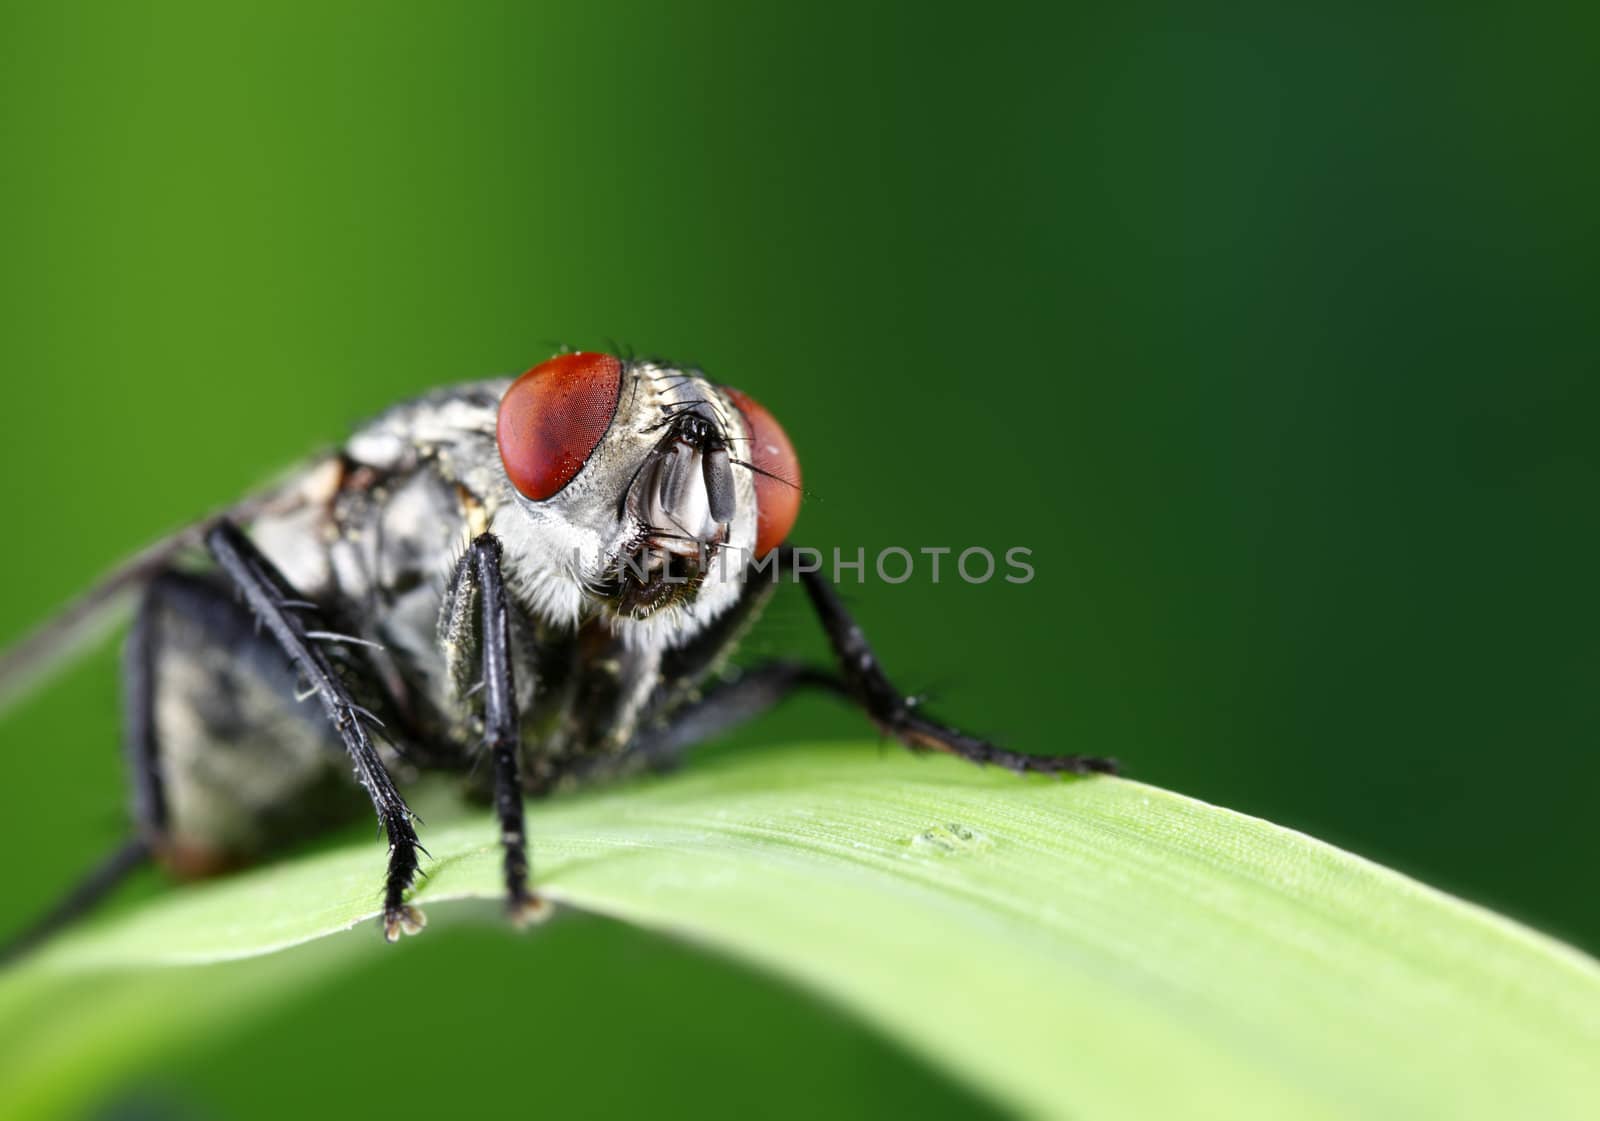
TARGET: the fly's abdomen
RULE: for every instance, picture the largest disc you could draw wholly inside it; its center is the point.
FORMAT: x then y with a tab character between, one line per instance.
229	763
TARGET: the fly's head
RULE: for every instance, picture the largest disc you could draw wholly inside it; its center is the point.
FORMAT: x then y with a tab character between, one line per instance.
639	492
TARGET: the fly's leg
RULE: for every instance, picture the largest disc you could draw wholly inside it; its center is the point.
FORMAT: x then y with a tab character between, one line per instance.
139	719
487	633
101	880
284	616
894	712
724	706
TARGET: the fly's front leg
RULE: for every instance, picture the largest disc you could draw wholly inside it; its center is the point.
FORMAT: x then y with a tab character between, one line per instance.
486	633
285	615
894	712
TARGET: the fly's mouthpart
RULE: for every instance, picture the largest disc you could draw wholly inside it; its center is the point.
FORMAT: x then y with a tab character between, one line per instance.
644	577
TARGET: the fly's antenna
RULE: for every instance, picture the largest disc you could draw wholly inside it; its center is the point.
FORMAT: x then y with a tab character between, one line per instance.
86	621
100	882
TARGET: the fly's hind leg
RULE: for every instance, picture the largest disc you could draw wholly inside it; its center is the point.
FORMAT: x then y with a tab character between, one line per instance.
897	714
291	624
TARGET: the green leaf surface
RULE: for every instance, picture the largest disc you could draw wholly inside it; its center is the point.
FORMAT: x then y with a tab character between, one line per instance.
1093	948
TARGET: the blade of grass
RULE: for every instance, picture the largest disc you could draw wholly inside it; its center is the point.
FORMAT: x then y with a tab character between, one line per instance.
1092	948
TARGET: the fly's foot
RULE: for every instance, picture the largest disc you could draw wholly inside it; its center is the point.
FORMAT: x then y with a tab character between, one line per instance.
403	919
528	908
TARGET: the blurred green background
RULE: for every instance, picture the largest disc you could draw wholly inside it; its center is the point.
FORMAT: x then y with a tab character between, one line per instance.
1272	334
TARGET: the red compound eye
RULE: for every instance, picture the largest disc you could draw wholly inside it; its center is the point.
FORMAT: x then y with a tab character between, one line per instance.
552	418
777	472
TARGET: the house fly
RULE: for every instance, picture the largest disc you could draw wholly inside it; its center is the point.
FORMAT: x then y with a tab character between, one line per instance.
541	574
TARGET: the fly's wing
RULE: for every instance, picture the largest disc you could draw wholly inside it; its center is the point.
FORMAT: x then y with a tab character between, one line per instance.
87	620
95	614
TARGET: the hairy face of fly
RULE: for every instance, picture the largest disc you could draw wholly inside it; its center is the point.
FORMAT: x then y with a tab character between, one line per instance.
635	494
